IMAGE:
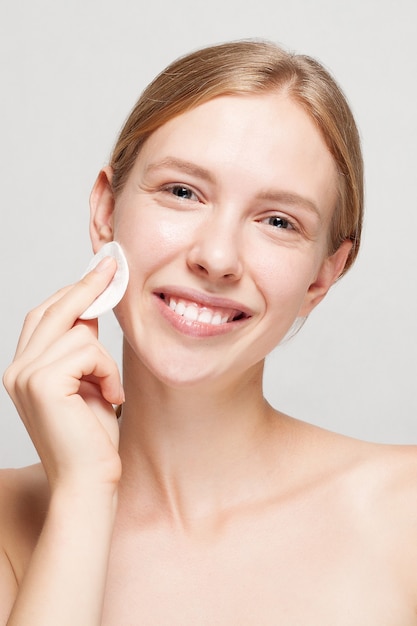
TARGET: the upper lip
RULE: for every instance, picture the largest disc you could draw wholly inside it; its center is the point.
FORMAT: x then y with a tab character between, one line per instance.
203	299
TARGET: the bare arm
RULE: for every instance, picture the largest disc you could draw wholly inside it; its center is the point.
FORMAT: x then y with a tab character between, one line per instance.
8	586
67	574
63	384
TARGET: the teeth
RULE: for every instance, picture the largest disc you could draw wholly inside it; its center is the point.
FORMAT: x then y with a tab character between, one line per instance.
205	316
192	312
180	308
217	319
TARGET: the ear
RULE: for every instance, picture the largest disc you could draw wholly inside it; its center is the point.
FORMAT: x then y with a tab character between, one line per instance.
102	209
329	272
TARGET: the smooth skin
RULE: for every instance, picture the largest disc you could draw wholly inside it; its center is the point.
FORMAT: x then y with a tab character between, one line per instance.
202	504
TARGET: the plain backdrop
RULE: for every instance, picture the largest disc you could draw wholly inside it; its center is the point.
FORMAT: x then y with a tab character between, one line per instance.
70	72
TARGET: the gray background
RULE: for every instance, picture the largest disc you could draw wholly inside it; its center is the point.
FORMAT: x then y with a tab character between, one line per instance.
71	70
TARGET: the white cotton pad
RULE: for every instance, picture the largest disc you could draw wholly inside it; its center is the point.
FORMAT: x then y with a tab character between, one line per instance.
116	289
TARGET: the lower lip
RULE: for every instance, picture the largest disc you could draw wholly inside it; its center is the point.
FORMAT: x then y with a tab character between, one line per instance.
194	328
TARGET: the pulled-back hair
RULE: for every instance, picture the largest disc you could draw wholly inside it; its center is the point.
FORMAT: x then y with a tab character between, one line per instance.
255	67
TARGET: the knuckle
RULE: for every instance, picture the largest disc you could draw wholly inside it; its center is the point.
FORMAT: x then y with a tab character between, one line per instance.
33	381
14	376
33	316
33	384
93	352
82	333
21	381
84	339
15	380
50	312
9	378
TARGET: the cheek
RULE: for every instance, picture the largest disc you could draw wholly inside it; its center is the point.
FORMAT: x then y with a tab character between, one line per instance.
149	240
284	279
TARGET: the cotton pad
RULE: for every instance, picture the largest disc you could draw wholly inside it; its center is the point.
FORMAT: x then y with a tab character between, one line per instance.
116	289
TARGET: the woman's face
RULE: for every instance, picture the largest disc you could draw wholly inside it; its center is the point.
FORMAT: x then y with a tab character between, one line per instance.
224	220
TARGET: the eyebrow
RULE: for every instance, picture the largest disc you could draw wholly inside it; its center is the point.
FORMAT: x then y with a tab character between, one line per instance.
184	166
292	199
283	197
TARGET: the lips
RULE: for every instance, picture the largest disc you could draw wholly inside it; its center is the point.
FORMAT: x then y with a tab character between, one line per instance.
203	309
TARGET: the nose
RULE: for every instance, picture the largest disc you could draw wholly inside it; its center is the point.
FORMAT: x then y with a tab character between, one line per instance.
216	250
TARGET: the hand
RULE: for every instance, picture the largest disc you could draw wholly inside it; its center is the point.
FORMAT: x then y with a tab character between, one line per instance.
64	383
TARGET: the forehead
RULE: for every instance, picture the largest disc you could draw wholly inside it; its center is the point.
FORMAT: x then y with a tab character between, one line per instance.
255	141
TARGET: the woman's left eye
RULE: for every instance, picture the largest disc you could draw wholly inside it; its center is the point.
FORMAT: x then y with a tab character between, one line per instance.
278	222
182	192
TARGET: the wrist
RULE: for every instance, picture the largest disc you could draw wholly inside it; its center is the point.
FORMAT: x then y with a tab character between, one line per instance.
81	483
74	498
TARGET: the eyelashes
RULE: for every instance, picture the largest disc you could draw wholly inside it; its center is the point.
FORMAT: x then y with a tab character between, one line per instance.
184	193
279	222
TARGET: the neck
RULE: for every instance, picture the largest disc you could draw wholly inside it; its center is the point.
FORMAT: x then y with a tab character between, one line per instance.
188	452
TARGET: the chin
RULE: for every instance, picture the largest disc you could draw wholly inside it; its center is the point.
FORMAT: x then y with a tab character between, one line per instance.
187	375
207	375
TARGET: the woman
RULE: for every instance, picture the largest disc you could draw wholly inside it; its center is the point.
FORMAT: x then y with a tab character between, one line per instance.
235	190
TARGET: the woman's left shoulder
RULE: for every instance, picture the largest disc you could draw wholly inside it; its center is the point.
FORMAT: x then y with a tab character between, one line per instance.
384	475
386	498
379	481
394	470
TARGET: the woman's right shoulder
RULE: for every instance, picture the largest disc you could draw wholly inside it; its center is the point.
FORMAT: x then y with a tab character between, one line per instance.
24	496
23	504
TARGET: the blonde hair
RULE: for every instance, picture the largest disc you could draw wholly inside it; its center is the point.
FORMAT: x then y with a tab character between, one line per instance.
254	67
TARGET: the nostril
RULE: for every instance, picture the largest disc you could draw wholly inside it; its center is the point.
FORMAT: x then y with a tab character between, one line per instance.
213	264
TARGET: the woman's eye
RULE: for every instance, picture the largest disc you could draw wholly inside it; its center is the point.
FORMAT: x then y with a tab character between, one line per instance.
278	222
180	191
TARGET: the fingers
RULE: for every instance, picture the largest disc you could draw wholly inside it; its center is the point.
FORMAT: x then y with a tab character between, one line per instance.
33	318
65	399
64	383
59	368
60	312
64	375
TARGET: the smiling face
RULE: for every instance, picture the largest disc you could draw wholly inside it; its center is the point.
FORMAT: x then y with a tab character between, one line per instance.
224	220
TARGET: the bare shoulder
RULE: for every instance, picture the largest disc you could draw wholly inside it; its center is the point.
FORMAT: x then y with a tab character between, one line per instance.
384	470
379	487
375	486
23	489
377	483
23	503
24	499
382	475
391	473
387	475
388	503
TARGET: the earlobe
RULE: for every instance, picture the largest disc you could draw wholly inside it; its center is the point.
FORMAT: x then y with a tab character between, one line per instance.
101	209
329	272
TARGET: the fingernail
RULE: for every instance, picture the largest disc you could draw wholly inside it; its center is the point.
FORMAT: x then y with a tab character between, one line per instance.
104	264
